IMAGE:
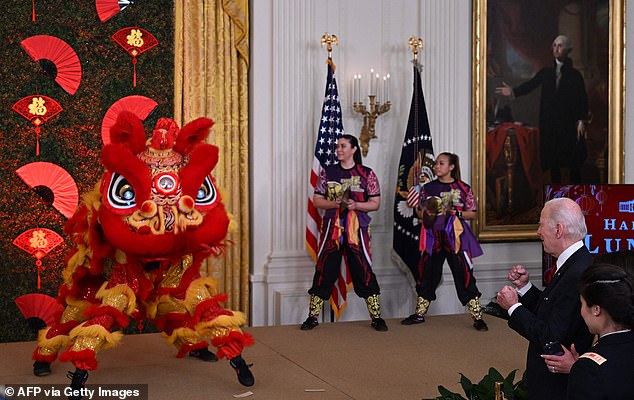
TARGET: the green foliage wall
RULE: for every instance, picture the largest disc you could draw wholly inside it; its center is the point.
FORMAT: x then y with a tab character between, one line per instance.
72	139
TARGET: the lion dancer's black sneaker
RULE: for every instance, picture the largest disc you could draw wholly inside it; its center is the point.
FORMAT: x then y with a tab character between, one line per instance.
413	319
204	355
41	368
314	308
242	369
77	381
422	305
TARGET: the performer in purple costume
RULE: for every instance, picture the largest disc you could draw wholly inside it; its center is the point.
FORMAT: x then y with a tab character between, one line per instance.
445	203
347	191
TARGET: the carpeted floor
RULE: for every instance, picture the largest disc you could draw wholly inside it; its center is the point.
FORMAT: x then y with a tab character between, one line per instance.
346	360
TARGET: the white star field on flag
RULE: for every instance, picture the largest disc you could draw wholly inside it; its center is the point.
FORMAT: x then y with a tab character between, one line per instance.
330	128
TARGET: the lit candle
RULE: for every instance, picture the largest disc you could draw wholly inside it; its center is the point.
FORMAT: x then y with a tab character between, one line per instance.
353	83
376	83
384	99
371	91
387	88
354	88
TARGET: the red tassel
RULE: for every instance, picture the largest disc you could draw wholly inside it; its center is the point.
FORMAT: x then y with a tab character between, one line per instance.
134	66
37	141
38	265
33	10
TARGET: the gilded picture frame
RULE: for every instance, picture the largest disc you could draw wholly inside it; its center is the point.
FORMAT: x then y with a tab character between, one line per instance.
496	220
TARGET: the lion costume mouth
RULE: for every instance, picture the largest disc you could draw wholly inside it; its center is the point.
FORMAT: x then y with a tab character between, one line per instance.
157	220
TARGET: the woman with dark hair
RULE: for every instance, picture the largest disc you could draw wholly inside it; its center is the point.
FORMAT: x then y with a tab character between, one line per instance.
446	203
607	307
347	191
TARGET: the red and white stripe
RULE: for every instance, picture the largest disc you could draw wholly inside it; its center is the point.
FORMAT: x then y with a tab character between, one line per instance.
313	216
412	197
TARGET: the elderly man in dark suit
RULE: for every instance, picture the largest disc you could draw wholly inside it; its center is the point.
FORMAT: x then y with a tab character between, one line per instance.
552	314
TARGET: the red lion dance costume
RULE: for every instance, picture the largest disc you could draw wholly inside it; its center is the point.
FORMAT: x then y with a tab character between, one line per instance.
141	236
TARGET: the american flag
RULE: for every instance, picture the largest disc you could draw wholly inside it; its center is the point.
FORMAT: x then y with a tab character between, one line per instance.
330	128
415	168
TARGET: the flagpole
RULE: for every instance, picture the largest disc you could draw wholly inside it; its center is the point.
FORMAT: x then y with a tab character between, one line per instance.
414	169
328	40
416	43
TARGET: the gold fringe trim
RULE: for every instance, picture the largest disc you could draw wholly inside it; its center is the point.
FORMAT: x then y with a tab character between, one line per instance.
230	322
164	305
120	297
52	345
182	336
92	199
83	304
106	339
78	259
199	290
74	310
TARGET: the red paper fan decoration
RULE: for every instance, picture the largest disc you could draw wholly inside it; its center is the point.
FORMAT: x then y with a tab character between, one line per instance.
38	242
57	59
135	41
37	109
57	180
141	106
38	305
107	9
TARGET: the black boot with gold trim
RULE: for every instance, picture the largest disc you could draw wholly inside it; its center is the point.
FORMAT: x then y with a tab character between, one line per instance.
314	309
422	305
374	308
475	309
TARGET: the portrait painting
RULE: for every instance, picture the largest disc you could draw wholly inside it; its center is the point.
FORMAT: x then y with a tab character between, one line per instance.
547	105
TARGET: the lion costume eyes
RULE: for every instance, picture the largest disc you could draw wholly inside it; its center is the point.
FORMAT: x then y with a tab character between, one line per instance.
121	194
207	194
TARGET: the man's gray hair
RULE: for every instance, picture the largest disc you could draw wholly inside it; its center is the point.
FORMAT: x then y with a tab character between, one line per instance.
567	212
565	40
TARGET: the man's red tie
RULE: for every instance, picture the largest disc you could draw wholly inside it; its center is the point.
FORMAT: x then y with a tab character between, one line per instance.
548	276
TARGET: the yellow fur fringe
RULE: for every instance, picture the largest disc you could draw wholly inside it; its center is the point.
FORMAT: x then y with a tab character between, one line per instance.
53	344
224	321
199	290
109	339
182	333
119	290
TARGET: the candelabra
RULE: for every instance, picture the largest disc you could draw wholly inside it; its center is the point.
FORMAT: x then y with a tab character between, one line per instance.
379	103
